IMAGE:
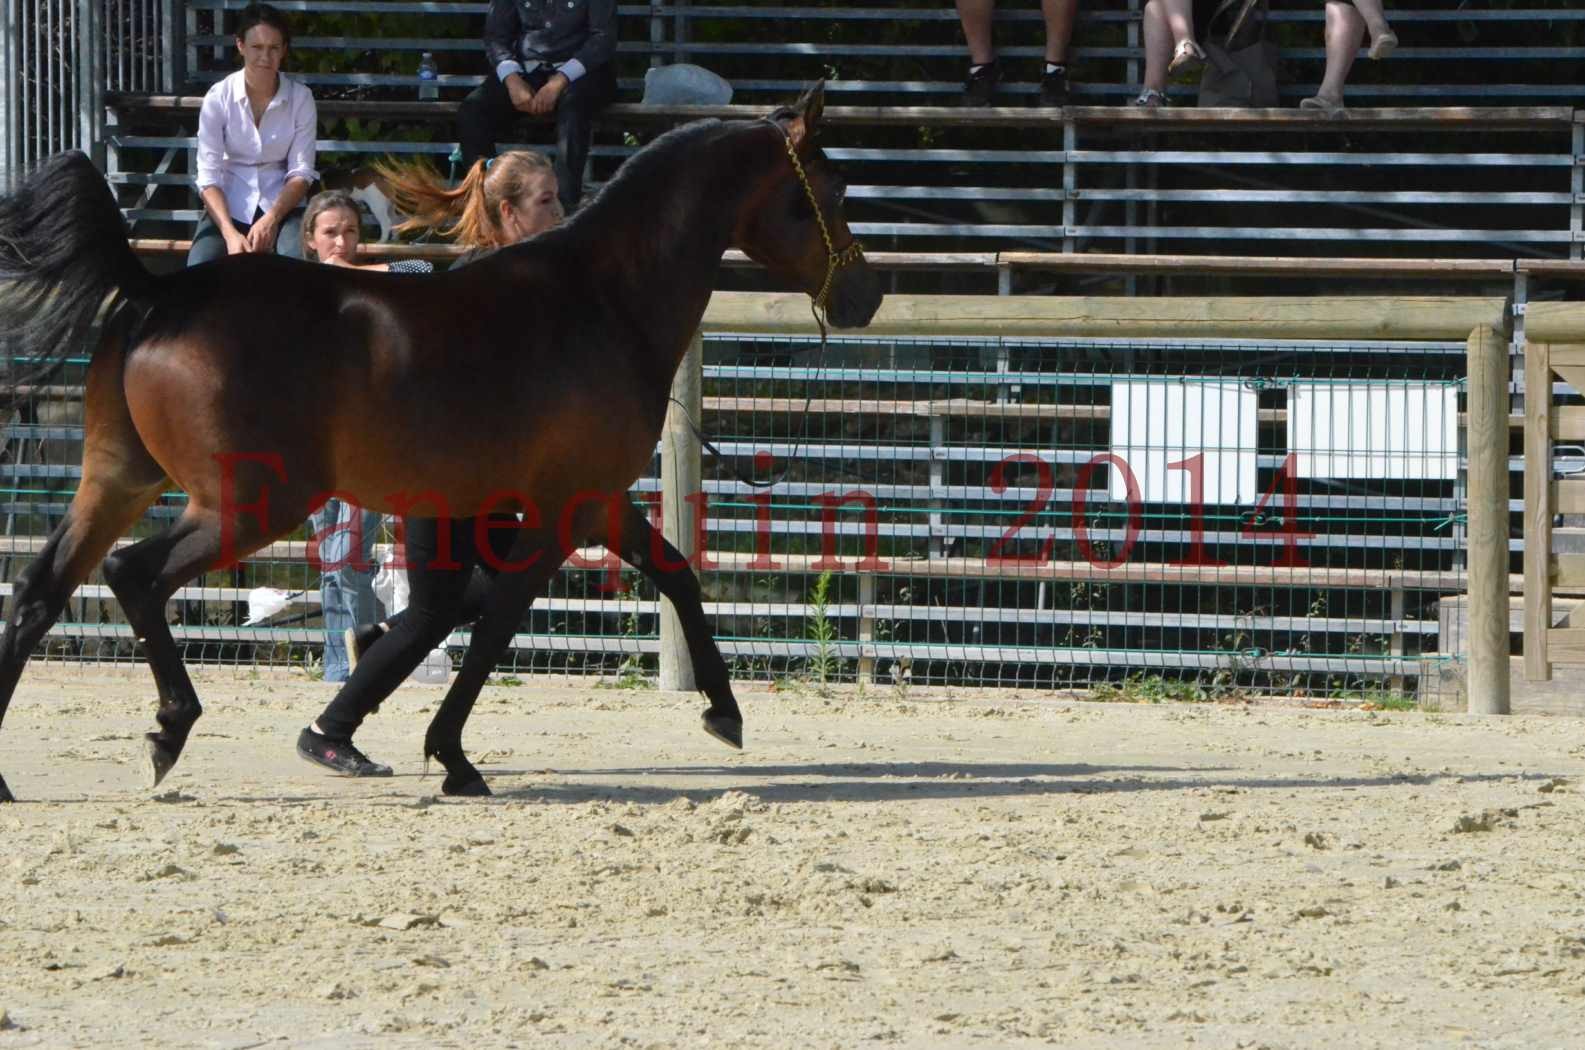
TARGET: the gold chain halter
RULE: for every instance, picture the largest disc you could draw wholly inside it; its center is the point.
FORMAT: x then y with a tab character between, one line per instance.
835	260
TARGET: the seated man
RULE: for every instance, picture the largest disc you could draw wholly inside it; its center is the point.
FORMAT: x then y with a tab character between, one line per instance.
979	89
547	57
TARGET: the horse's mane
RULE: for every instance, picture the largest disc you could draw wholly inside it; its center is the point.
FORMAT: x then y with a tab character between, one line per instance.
641	176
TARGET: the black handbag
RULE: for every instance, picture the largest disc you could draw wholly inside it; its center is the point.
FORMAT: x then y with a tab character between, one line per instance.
1241	70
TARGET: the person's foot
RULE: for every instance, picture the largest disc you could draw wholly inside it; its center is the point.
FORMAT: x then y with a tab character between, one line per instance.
1325	103
1383	44
1187	58
358	638
338	756
1150	99
1054	86
980	87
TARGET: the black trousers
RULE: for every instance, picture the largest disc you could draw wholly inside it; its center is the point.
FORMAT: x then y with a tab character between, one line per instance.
441	598
487	114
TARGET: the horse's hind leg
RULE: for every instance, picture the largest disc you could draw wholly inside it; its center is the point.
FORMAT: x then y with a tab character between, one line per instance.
99	513
663	565
143	577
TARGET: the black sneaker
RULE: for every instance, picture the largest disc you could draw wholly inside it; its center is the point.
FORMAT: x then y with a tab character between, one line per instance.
357	639
1054	87
337	755
980	87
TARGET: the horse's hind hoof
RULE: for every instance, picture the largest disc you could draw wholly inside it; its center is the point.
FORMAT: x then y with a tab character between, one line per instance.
726	729
161	759
5	792
466	788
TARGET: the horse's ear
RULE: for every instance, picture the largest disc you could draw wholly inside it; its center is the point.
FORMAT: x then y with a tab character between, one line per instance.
809	110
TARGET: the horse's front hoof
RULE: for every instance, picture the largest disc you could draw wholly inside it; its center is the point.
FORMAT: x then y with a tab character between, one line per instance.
724	728
463	787
5	792
160	757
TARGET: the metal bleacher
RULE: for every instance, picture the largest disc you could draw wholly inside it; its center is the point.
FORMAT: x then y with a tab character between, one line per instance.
1478	156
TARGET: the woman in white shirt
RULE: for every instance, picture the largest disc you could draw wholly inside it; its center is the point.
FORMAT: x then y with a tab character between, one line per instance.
255	148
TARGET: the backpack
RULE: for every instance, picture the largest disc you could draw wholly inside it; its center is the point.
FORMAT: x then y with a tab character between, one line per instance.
1241	70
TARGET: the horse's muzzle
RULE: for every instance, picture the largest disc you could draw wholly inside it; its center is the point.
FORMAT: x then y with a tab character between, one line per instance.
855	296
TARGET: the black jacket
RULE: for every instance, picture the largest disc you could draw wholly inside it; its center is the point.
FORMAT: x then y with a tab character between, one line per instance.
552	31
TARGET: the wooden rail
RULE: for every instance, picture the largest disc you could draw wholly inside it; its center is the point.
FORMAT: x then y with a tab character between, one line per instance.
1546	573
1277	317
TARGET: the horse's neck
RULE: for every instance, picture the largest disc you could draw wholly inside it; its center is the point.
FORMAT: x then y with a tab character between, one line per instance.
661	246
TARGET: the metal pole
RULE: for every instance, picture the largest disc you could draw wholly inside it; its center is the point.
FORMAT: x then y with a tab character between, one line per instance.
173	53
681	477
1488	522
88	87
10	87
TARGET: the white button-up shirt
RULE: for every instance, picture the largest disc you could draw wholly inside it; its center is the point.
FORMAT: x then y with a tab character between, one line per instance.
251	163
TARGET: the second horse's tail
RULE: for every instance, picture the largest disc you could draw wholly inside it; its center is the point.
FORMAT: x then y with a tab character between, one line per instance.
64	263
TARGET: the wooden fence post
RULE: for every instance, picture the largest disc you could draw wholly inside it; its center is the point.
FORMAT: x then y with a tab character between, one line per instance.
680	477
1488	522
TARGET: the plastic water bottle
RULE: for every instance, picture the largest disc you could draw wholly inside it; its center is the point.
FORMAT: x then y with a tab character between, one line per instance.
428	78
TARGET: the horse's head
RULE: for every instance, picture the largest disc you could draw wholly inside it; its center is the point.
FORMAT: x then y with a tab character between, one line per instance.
796	227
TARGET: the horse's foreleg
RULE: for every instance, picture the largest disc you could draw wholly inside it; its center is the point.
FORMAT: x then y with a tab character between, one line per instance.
99	513
663	565
143	577
511	594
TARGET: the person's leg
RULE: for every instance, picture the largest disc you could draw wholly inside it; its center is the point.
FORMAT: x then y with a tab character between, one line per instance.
976	17
1059	32
329	525
1158	45
1186	53
1383	41
979	87
289	238
208	245
1345	30
1059	27
436	599
484	115
575	113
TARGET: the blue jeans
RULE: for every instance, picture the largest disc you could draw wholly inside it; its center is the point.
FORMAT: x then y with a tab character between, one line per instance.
346	596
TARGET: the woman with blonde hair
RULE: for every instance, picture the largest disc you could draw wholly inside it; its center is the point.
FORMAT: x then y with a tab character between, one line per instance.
498	204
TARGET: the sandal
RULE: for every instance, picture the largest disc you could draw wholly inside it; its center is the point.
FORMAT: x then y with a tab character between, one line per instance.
1186	58
1383	45
1332	107
1151	99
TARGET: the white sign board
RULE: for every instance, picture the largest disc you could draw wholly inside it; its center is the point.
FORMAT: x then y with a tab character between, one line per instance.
1378	429
1159	422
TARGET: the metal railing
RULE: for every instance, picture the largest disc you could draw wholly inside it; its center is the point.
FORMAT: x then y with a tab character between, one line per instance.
956	510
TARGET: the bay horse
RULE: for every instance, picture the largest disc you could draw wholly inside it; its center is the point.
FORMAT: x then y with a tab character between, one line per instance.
261	386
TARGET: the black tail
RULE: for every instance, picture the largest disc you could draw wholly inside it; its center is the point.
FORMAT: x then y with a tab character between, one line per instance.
64	258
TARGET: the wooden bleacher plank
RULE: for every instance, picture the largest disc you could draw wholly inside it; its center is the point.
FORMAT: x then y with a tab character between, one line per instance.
1482	118
1257	265
1473	118
1558	269
445	252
